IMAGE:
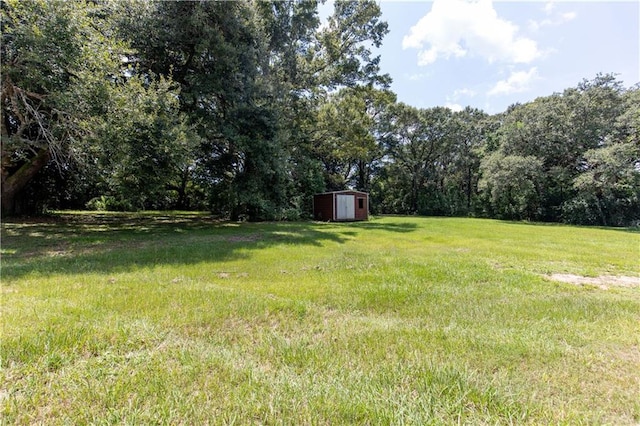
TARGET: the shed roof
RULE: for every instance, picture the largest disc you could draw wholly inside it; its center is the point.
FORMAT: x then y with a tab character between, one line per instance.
343	191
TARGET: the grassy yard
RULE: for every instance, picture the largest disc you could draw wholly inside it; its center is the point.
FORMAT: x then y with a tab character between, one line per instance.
174	319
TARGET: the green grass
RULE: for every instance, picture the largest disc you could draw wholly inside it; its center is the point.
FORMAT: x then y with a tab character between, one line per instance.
179	319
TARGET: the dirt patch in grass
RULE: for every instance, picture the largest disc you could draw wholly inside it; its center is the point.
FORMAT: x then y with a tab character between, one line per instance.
604	281
243	238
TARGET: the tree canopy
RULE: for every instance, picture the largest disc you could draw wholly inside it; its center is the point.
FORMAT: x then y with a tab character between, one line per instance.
248	108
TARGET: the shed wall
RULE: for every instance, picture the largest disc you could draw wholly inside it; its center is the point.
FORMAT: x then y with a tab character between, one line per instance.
323	207
362	213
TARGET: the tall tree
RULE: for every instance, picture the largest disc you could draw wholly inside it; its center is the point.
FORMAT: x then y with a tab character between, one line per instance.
461	161
558	130
71	97
348	136
416	141
608	188
213	50
141	146
251	74
52	56
512	184
608	183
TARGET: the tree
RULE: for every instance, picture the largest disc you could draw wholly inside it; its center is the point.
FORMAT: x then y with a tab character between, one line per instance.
251	74
542	129
52	55
558	130
416	142
511	184
141	147
341	56
608	186
462	160
71	98
348	139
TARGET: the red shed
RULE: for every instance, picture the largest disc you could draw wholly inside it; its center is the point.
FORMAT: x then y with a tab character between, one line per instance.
341	206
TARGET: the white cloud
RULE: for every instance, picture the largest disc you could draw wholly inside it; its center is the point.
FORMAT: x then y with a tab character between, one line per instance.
548	7
464	92
459	28
452	101
517	82
454	107
552	22
536	25
418	76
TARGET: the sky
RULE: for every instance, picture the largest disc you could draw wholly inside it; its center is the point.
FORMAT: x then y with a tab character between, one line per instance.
491	54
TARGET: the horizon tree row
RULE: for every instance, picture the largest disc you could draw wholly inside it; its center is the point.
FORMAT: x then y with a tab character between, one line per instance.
248	108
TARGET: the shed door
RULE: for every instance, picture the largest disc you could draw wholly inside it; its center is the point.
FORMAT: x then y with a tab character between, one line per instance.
346	207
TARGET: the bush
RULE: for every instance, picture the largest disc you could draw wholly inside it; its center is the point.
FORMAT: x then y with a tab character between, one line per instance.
579	211
290	215
109	203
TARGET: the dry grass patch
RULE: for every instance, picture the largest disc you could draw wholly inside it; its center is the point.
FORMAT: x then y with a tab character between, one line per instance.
604	281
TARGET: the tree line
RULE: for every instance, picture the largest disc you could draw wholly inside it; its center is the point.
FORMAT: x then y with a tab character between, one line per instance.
248	108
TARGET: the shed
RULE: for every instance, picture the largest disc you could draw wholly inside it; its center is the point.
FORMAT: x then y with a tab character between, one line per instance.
341	206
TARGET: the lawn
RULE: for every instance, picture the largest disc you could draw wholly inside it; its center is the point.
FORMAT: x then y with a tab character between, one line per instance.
179	319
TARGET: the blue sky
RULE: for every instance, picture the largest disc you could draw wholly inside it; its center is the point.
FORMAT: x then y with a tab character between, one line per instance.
491	54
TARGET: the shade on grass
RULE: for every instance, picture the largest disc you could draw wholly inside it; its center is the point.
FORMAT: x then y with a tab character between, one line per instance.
177	318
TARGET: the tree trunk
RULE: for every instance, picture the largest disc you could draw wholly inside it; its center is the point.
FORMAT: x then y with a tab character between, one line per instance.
182	190
469	178
362	176
15	182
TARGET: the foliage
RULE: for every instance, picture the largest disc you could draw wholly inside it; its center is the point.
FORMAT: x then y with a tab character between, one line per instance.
348	135
512	183
46	62
609	188
69	98
140	147
250	79
417	140
248	108
573	141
